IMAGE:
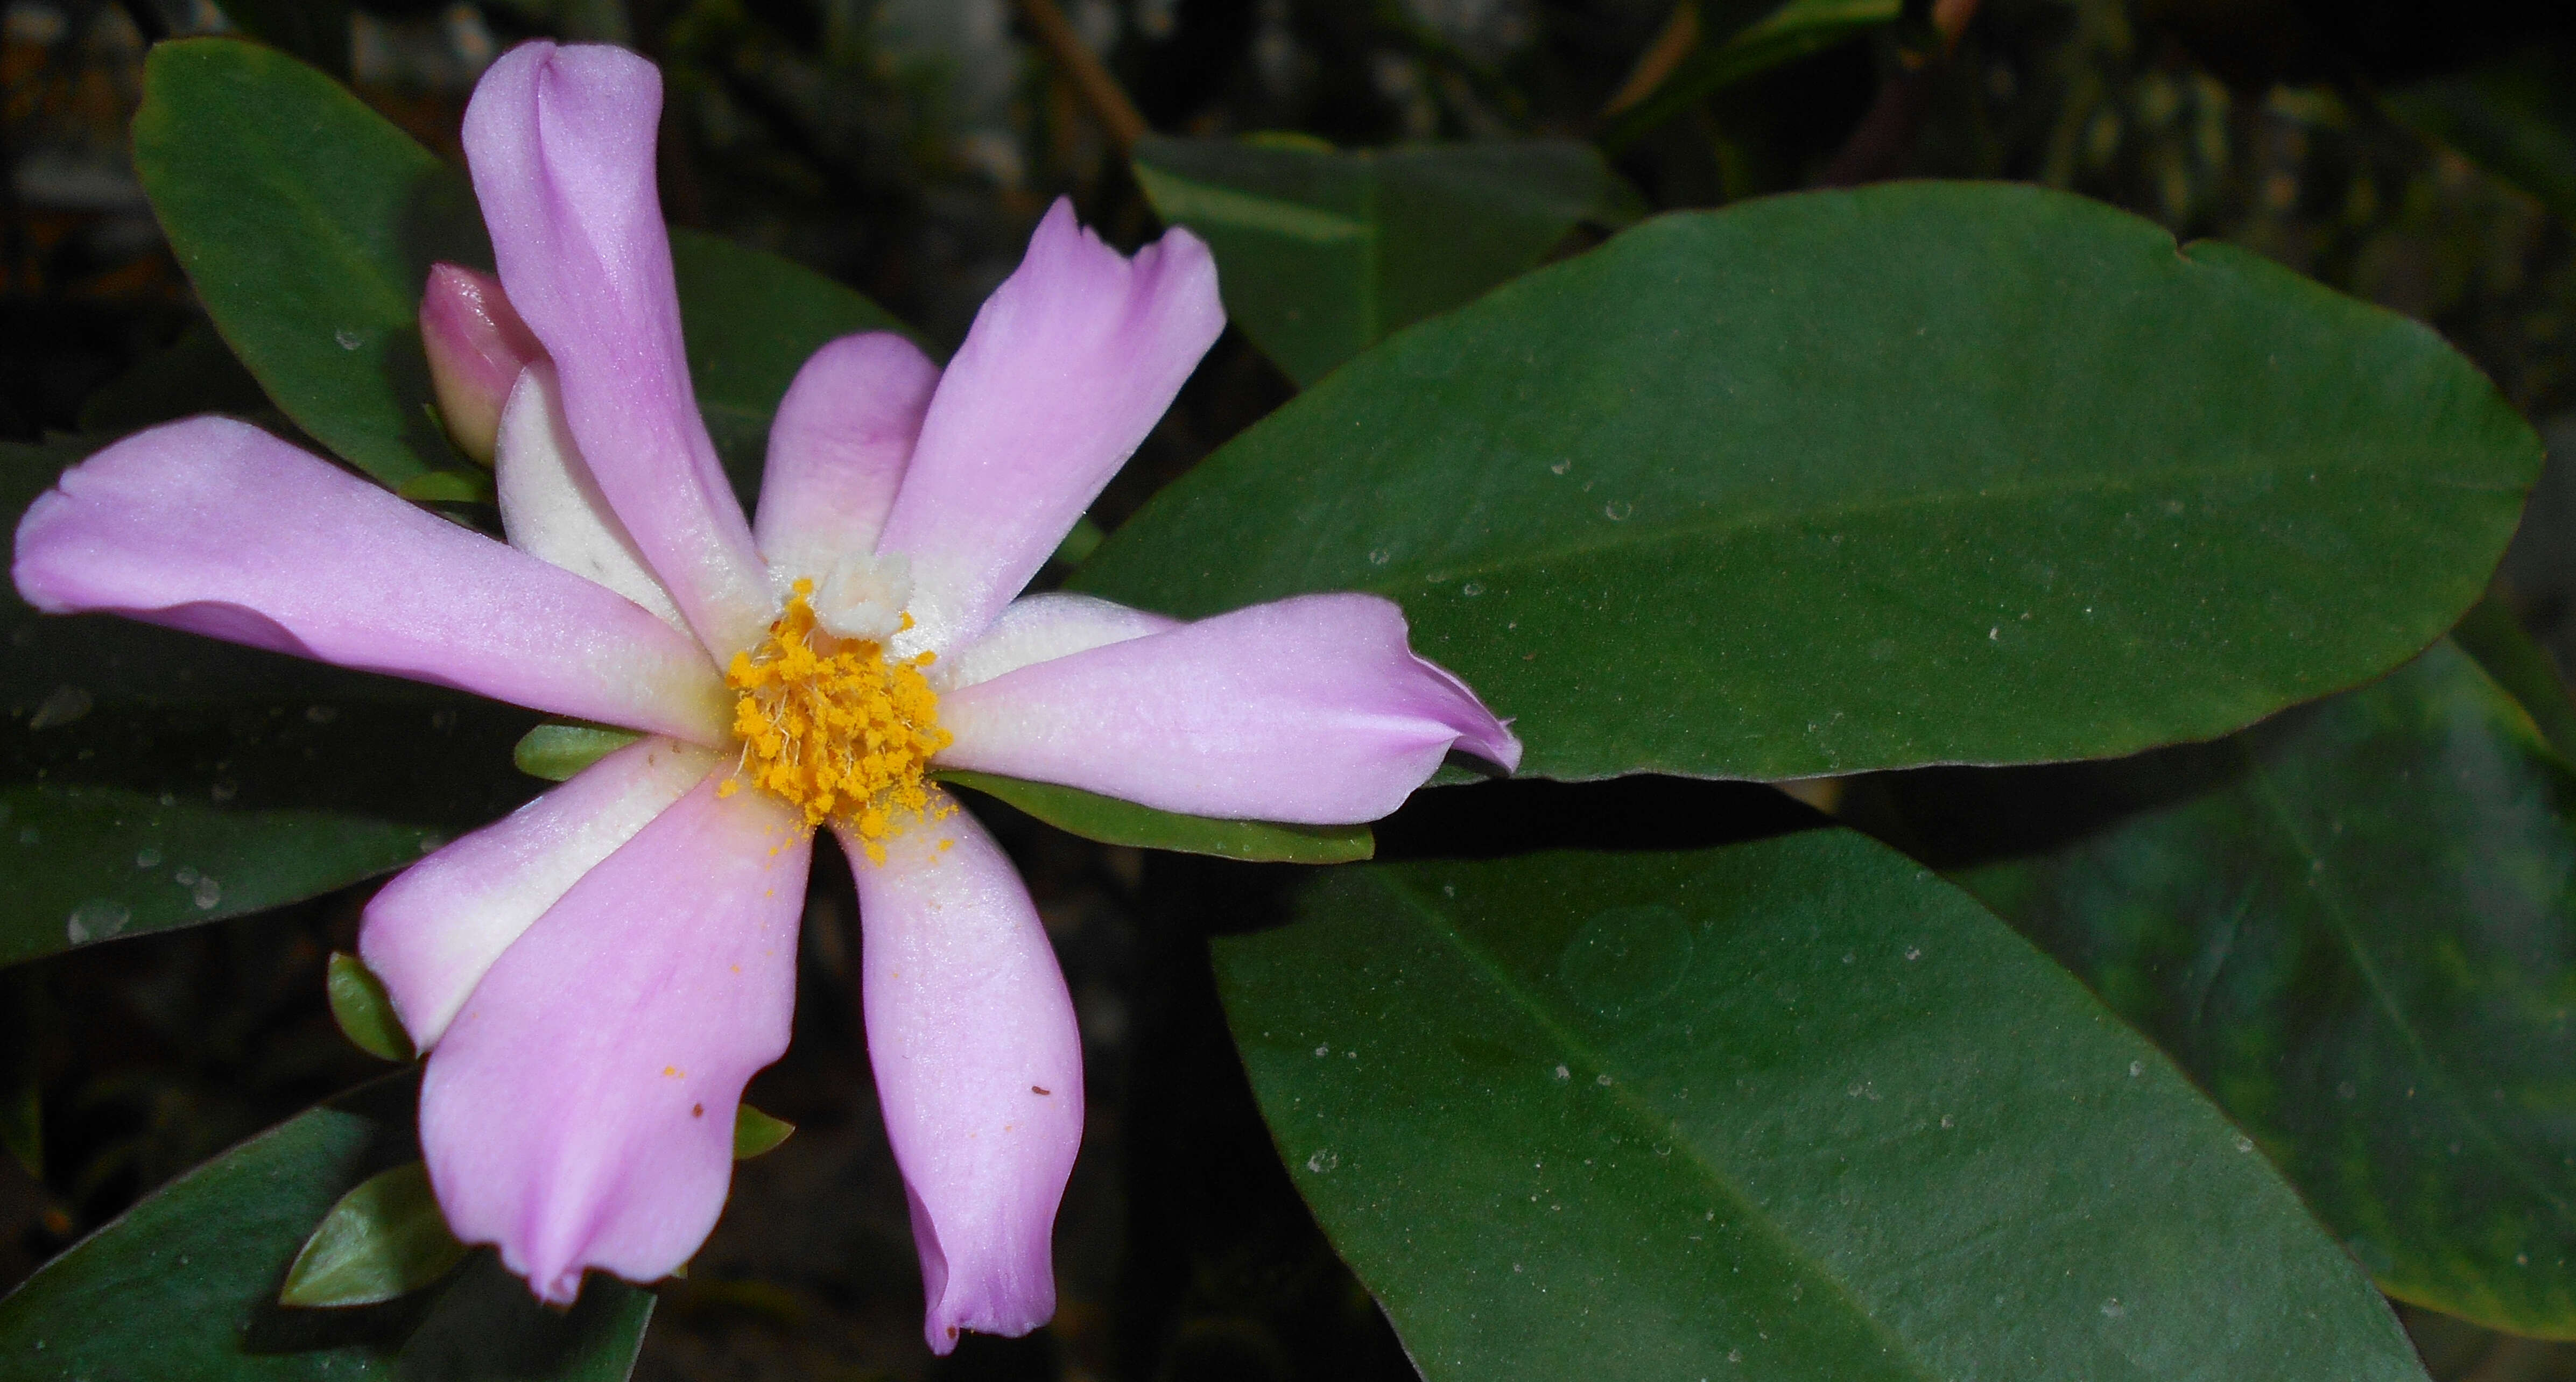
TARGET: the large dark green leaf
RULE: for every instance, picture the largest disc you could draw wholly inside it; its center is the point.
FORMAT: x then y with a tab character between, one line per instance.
1322	252
1919	473
2356	927
184	1285
307	223
751	318
1112	821
2516	118
150	778
1788	1109
1793	31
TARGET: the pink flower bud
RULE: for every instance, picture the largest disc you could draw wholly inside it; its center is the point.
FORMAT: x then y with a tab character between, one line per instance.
477	345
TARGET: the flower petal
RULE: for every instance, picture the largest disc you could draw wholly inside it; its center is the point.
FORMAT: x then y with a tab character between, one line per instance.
551	507
476	345
837	451
432	932
216	527
579	1112
978	1065
560	141
1068	366
1309	710
1039	628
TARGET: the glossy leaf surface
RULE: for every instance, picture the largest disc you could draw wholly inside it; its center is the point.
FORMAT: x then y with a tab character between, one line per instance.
1114	822
1791	1108
155	779
2354	927
1918	473
183	1285
384	1239
1322	252
307	223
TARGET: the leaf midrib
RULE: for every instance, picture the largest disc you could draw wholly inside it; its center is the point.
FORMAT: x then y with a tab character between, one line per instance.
2445	1085
1712	527
1620	1091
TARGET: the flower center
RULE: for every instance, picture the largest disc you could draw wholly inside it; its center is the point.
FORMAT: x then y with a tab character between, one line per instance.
834	727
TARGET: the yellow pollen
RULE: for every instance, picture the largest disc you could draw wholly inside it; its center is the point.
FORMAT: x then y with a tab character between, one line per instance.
835	727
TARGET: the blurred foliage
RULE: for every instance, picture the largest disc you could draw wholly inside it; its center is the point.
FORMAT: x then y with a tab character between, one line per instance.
904	148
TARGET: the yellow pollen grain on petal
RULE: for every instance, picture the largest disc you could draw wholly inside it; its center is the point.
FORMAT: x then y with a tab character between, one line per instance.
835	728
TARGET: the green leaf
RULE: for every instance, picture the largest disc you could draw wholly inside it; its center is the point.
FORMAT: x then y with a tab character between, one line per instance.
1114	822
184	1285
2352	925
2515	118
154	779
1917	473
1321	253
384	1239
756	1133
1793	31
307	223
751	319
364	1010
90	863
464	485
2490	634
556	750
1790	1108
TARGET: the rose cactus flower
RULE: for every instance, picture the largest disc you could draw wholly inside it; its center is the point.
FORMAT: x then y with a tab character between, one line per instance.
595	976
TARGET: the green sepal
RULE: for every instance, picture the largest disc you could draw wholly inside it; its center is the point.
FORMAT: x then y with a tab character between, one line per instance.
756	1133
556	750
1113	822
383	1239
364	1010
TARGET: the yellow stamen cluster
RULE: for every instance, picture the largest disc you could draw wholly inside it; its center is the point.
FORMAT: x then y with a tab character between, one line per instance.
834	726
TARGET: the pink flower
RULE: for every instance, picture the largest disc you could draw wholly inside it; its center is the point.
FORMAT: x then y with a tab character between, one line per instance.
596	975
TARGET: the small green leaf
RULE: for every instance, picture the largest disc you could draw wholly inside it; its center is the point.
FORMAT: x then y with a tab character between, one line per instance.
755	1132
2352	925
1919	473
461	486
1793	31
184	1284
383	1239
1114	822
1792	1108
556	750
1321	253
364	1010
2516	118
2491	634
307	223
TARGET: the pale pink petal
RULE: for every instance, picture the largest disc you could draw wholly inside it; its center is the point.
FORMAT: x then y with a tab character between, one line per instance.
1039	628
560	141
837	451
979	1069
1069	364
579	1112
1309	710
216	527
551	507
476	345
432	932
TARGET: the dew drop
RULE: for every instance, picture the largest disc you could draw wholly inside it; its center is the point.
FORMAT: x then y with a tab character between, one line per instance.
2137	1068
1472	589
206	894
1560	467
1324	1161
1617	510
96	920
1380	556
1913	952
147	857
2112	1309
1324	1050
348	339
2244	1143
1564	1074
185	876
1602	1079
